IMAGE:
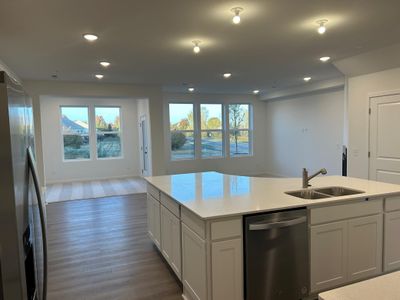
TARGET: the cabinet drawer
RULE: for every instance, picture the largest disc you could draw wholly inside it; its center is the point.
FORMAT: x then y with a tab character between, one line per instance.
194	222
171	204
153	191
392	203
345	211
226	229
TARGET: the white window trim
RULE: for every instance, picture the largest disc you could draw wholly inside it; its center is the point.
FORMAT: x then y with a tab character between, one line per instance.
194	132
109	132
225	131
92	133
222	130
62	134
249	130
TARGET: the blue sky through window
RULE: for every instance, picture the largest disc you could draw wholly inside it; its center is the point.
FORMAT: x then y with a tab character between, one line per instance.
179	111
81	113
108	113
76	113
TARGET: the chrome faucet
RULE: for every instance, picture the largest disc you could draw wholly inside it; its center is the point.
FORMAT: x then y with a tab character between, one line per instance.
306	178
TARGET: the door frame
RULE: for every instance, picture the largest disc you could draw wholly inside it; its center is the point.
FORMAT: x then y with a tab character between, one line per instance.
371	96
143	118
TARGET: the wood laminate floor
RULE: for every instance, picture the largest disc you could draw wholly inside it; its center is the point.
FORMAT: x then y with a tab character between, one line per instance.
94	189
99	249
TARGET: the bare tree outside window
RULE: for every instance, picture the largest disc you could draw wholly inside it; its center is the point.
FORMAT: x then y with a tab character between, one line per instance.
239	129
205	124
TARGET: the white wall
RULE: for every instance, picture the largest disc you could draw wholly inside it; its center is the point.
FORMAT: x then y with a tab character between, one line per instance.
56	169
358	89
305	131
251	165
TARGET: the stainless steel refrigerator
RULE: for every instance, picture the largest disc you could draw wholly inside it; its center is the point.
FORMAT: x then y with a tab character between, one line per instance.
23	250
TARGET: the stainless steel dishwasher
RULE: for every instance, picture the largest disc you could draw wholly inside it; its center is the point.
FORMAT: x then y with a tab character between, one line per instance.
276	255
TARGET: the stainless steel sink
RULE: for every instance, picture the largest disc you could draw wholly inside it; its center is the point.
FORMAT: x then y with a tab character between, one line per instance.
321	193
337	191
308	194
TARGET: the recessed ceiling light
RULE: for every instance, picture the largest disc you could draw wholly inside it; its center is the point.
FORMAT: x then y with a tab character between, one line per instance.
322	28
105	64
99	76
196	48
90	37
256	92
324	58
236	17
306	79
191	89
227	75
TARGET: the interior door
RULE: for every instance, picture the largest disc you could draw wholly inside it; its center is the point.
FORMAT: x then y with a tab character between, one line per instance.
384	139
144	148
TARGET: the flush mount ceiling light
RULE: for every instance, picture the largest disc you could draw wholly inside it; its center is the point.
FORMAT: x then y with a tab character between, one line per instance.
324	58
191	89
105	64
236	17
255	92
196	48
227	75
90	37
99	76
322	28
307	79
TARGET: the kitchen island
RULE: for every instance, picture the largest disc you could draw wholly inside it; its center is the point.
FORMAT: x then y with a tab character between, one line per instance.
385	287
196	221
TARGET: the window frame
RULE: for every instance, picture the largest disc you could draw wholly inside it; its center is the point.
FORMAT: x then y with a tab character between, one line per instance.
222	130
194	131
120	132
64	160
249	130
226	131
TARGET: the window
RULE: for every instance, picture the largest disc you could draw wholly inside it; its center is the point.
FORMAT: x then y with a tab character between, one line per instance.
75	132
181	123
108	132
239	129
211	130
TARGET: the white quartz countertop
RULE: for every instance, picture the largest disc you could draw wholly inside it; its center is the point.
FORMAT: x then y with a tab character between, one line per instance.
213	195
385	287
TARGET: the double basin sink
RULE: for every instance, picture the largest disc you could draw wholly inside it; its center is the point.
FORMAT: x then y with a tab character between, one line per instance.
324	192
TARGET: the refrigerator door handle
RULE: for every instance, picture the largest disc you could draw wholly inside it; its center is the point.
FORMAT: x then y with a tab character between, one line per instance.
32	168
281	224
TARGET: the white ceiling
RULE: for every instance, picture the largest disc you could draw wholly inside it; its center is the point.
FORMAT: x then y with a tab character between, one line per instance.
149	42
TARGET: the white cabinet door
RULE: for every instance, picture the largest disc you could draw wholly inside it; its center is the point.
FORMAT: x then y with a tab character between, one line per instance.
392	241
171	240
227	270
153	220
328	254
193	264
150	217
365	247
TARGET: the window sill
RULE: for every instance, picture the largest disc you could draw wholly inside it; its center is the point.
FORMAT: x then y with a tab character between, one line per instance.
76	160
110	158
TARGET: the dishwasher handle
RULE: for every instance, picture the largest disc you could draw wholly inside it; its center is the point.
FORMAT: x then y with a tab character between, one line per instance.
280	224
